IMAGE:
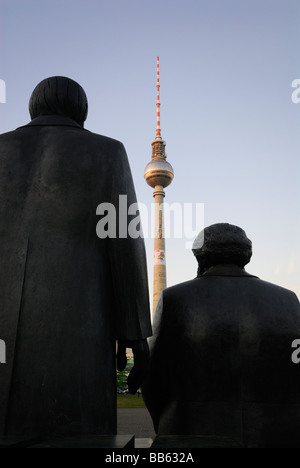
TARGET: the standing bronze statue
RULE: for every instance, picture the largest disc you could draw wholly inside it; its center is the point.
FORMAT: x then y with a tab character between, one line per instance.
220	355
66	295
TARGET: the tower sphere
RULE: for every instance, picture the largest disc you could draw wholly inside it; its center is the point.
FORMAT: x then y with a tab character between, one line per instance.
158	172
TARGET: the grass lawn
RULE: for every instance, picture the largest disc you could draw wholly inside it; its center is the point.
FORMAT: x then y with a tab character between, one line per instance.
130	401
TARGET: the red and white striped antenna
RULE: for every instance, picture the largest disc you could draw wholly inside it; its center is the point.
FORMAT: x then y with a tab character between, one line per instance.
158	134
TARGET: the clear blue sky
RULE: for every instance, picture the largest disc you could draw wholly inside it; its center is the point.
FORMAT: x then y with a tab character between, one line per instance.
232	131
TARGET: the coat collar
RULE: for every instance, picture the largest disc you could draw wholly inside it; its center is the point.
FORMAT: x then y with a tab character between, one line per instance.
53	120
227	270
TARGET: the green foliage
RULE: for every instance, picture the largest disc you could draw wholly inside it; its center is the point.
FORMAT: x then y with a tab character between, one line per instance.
122	380
122	377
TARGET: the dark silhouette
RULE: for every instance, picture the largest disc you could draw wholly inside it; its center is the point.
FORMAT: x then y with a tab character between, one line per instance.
66	295
220	355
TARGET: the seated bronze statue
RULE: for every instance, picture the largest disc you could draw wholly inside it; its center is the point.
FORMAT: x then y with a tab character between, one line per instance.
221	351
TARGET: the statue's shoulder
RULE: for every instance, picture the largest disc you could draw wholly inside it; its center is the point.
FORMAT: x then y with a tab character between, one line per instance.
274	290
253	284
103	139
181	289
10	135
12	139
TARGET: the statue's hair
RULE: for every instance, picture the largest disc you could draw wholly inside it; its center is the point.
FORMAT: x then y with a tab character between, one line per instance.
59	95
222	243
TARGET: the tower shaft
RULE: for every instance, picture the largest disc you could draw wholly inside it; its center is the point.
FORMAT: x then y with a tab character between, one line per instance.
159	260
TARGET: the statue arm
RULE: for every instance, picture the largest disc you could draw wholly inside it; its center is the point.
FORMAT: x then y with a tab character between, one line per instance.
127	259
129	276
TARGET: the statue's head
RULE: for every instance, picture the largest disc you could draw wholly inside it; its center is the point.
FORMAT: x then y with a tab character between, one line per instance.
59	95
222	243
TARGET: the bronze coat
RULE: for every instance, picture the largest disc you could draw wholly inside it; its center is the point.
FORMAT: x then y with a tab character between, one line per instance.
65	294
221	360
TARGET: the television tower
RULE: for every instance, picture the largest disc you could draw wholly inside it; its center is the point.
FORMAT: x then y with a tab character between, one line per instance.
158	174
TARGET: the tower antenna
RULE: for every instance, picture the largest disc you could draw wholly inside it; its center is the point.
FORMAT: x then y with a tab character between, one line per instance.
158	133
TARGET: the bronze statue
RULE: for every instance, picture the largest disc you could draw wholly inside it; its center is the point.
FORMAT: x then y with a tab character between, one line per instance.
66	295
220	355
